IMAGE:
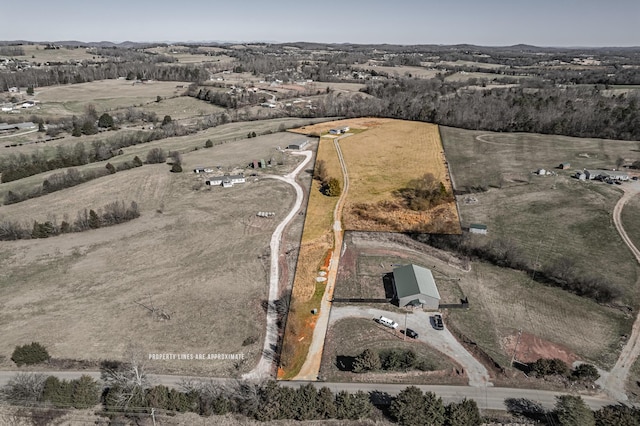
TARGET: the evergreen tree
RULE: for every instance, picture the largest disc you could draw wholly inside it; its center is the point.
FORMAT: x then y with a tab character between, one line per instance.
94	219
86	392
572	411
105	121
465	413
368	360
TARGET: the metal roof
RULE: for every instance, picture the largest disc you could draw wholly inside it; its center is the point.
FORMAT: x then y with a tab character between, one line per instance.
414	280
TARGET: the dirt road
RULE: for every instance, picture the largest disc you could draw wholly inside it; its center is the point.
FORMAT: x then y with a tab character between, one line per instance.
265	367
614	382
311	366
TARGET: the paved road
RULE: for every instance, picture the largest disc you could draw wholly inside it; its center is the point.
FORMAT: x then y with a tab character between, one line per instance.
615	381
311	366
265	367
441	340
486	397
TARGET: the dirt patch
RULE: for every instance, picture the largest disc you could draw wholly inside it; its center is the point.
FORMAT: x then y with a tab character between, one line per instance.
531	347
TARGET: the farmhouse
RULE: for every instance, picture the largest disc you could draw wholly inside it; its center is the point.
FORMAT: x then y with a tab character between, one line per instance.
226	181
477	228
298	145
339	130
414	285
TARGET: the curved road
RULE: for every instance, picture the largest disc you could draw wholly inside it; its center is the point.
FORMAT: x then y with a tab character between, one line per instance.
311	366
265	366
615	381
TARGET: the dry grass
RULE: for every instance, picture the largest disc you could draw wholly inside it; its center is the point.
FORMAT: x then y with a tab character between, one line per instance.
631	220
350	337
183	255
181	107
503	301
401	71
383	160
105	95
37	53
355	123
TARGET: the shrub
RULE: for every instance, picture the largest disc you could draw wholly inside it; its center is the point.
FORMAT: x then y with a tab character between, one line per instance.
33	353
156	155
111	168
137	162
208	144
585	372
549	367
176	168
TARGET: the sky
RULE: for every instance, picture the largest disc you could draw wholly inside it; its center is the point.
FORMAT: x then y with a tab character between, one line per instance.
481	22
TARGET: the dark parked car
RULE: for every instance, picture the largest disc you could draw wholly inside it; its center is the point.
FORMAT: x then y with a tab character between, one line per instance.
410	333
437	322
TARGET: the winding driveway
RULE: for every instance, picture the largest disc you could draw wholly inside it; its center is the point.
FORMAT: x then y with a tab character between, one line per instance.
265	367
614	382
311	366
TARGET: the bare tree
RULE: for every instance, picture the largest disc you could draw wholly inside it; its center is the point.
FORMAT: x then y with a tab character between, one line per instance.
128	380
24	389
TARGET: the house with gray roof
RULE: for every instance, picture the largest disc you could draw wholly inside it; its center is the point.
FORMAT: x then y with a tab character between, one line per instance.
415	286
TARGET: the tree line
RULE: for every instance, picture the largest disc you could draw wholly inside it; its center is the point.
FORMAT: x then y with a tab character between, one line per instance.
506	253
110	214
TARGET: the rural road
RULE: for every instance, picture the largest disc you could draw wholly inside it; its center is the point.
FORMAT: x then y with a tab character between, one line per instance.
265	367
615	381
18	134
311	366
420	321
487	397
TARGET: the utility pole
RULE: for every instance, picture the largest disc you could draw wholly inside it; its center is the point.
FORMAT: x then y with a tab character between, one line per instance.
515	350
405	326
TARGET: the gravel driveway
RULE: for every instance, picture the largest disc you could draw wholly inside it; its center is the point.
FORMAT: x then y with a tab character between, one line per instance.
441	340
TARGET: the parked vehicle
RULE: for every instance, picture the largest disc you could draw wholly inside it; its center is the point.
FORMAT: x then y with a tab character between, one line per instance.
387	322
411	333
437	322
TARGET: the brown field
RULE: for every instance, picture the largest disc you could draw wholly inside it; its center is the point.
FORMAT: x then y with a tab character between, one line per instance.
383	160
219	135
105	95
355	123
547	217
352	336
37	53
196	252
401	71
181	107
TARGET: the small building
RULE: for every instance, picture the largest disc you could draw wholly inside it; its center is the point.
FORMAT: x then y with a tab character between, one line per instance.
14	90
606	175
263	164
564	165
581	176
226	181
298	145
203	170
255	164
415	286
477	228
339	130
541	172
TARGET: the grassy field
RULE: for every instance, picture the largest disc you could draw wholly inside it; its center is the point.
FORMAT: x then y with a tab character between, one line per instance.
401	71
631	220
182	255
352	336
383	160
37	53
219	135
503	301
545	216
181	107
105	95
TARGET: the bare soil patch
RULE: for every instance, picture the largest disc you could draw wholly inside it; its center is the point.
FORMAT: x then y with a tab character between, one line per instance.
531	348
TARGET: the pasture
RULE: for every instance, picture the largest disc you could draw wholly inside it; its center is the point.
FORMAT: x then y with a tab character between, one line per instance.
199	254
37	53
105	95
546	217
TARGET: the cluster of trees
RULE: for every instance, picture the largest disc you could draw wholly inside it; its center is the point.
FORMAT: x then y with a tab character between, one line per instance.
571	410
329	186
38	390
425	193
544	367
506	253
393	359
33	353
412	407
111	214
